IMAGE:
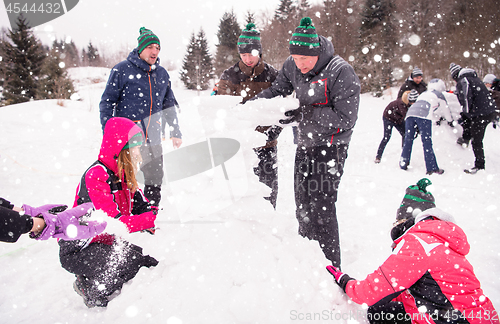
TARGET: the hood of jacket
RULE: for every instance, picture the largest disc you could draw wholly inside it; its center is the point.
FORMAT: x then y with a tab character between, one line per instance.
117	132
133	57
467	72
442	227
324	57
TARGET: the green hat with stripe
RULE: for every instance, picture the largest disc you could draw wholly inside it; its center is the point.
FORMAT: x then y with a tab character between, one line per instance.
305	40
135	140
146	38
249	40
416	200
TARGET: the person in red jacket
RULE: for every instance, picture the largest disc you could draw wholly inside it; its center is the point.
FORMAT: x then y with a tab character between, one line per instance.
102	264
427	279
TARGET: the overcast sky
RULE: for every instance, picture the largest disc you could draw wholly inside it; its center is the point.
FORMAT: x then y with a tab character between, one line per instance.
113	25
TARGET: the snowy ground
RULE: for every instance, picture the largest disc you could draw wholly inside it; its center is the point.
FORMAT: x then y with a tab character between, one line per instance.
225	255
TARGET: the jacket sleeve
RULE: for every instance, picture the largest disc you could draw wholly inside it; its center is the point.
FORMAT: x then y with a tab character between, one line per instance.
170	114
13	225
399	272
110	96
99	190
464	94
344	95
143	215
282	86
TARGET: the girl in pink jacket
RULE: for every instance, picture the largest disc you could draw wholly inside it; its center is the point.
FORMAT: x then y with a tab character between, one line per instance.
102	264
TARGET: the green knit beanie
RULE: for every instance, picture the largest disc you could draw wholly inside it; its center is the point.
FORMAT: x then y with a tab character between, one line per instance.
305	40
249	40
135	140
146	38
416	200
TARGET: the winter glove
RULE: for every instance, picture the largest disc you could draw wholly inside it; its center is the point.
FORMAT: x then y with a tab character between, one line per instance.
340	278
68	224
51	208
303	113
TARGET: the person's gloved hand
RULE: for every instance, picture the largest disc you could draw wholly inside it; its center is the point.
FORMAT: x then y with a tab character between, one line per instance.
295	116
69	225
51	208
340	278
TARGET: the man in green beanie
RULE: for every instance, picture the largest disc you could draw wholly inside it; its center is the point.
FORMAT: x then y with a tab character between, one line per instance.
246	78
139	89
328	91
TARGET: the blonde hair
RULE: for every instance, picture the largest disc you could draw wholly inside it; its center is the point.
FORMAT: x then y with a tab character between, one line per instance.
127	168
404	97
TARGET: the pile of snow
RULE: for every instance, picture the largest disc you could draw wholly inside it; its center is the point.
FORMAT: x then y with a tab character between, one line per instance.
225	255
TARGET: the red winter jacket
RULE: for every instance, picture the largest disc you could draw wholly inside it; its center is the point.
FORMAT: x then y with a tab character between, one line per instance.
429	271
108	191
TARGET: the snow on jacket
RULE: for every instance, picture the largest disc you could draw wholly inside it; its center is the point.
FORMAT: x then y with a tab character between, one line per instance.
412	85
431	104
107	190
244	81
428	272
473	95
396	111
140	92
331	87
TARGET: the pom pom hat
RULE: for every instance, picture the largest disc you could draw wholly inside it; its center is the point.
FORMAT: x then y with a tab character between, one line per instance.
413	95
416	200
305	40
455	70
249	40
146	38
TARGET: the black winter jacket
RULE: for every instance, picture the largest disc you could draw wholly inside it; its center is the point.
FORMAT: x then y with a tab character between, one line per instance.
12	224
410	85
331	89
473	95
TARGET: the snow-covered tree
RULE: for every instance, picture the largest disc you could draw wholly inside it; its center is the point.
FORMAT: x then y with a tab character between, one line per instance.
197	67
22	58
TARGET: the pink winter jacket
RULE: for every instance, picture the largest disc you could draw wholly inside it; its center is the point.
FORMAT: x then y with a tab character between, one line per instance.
429	269
107	190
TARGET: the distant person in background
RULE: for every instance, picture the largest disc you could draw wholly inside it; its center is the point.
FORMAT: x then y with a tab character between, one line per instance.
139	89
46	221
427	278
394	117
420	116
488	80
478	110
245	79
492	83
414	82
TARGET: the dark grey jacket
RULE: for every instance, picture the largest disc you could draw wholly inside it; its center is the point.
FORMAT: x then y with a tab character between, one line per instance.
331	88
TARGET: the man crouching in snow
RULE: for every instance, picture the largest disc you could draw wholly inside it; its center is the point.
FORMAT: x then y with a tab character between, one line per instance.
427	278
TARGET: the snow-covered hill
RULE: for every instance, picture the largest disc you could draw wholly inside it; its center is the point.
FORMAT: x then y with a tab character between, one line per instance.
225	255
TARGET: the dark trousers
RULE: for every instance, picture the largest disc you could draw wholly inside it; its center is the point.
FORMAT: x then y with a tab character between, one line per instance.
473	130
388	125
104	268
318	171
152	168
388	313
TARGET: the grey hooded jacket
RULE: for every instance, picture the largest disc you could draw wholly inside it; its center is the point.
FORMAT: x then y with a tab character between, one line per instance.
331	90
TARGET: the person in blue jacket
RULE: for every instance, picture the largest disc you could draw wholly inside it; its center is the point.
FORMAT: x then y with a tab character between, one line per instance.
139	89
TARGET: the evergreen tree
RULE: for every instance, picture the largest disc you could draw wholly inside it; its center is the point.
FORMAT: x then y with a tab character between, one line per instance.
22	56
227	49
377	42
285	11
250	18
54	82
93	57
197	68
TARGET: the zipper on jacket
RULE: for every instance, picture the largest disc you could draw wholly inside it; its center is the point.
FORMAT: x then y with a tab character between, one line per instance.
151	105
